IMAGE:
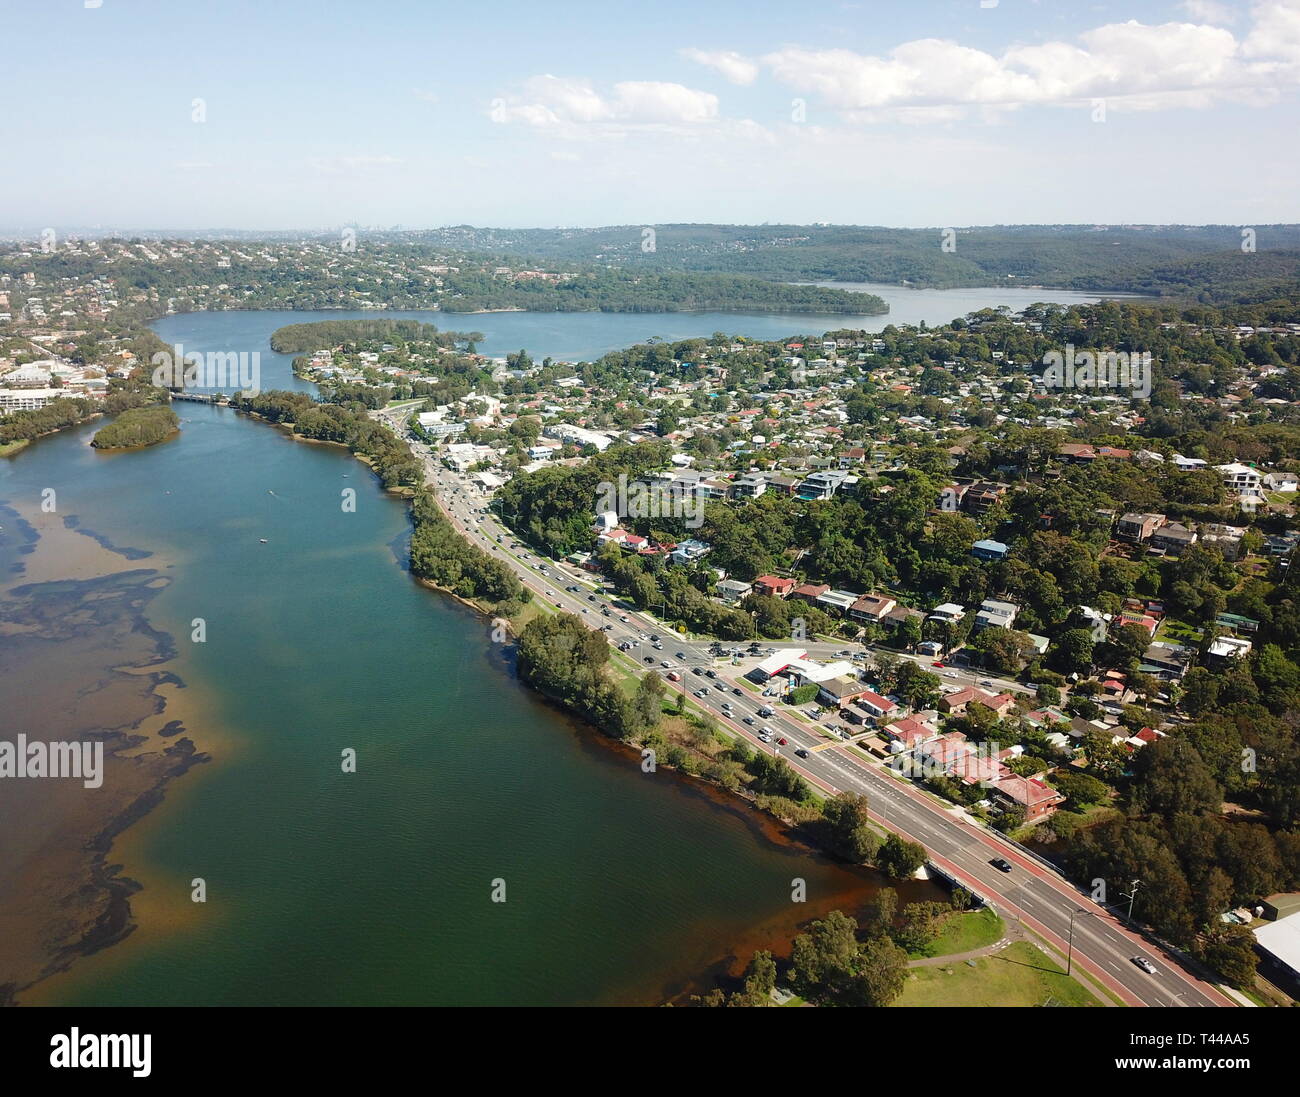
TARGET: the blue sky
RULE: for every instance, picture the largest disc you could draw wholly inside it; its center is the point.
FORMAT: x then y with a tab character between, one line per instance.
318	113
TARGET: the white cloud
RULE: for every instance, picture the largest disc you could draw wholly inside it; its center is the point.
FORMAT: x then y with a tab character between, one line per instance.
1209	11
734	66
563	103
1129	64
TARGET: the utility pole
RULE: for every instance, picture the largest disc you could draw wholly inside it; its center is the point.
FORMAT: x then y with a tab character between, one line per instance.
1069	953
1130	896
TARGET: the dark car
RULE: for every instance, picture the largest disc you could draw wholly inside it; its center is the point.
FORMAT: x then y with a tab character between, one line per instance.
711	673
697	670
738	691
801	752
1001	864
649	658
591	598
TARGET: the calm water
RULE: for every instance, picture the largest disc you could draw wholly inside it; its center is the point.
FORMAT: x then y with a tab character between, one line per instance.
374	887
585	336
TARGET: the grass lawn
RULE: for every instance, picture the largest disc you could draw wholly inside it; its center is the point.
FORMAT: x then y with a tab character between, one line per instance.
1178	631
1019	975
966	932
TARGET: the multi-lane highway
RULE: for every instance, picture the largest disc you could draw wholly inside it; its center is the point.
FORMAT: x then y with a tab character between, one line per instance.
1032	892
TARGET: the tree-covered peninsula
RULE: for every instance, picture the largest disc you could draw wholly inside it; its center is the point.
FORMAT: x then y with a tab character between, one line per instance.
137	427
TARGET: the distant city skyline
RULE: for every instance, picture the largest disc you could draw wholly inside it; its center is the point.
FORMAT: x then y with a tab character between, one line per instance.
307	116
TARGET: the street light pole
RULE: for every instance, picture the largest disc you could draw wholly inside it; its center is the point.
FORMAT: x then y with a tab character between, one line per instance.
1069	953
1131	895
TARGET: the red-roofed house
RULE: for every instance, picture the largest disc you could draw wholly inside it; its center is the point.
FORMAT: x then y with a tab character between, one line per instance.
911	731
1038	800
877	706
1001	704
810	592
773	585
871	607
955	703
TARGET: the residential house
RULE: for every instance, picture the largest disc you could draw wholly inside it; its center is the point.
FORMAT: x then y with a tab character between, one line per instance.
995	614
1173	538
871	608
734	590
773	586
810	592
837	601
1038	800
989	550
1242	480
1138	527
1168	662
954	704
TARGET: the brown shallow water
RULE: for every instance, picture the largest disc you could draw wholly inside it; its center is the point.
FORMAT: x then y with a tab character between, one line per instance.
92	668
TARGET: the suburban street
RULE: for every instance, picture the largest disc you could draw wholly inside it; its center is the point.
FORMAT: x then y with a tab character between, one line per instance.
1033	892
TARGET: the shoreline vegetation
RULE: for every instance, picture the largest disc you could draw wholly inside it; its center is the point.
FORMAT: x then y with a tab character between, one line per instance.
572	668
575	669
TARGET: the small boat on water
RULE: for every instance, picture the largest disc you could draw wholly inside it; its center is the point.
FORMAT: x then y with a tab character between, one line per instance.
262	540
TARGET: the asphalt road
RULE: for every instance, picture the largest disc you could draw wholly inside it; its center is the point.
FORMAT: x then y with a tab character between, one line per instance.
1032	892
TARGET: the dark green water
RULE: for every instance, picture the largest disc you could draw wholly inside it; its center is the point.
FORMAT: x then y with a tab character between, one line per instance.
375	887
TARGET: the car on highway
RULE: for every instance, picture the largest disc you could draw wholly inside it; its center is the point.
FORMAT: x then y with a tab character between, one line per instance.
938	664
697	670
950	674
1145	964
986	683
681	655
763	737
749	720
801	752
738	691
673	676
623	617
550	594
711	673
650	659
1001	864
664	663
783	741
